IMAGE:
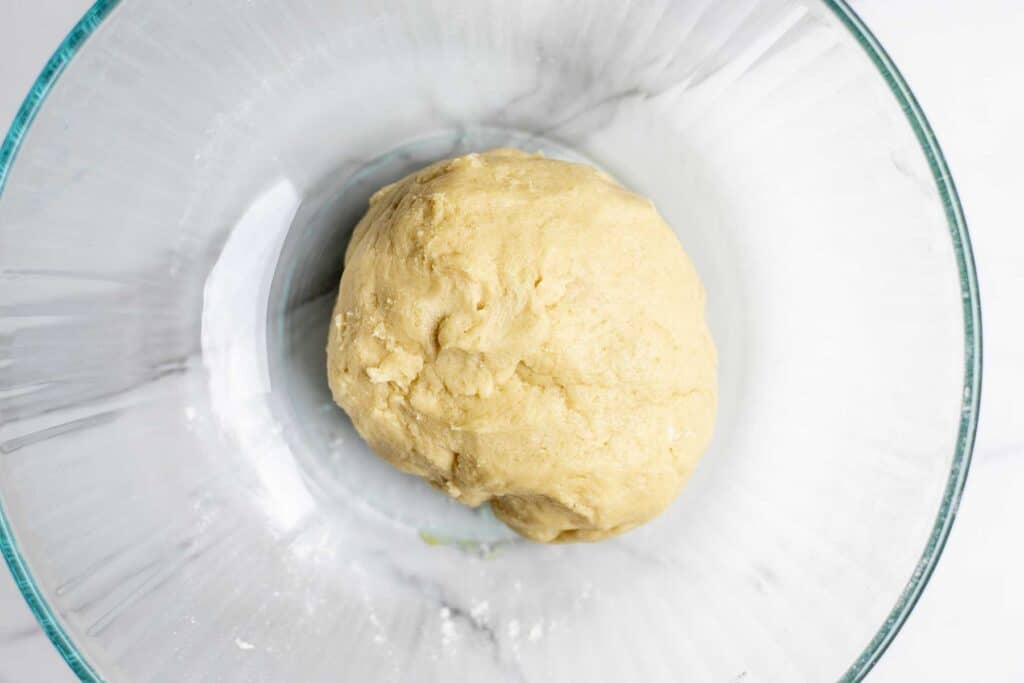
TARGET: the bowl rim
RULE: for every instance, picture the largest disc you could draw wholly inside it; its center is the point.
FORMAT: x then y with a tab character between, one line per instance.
53	625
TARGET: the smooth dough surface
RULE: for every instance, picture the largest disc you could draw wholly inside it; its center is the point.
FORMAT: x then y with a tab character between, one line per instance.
526	331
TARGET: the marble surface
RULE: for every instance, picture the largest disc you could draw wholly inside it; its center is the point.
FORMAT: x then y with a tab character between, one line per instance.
960	57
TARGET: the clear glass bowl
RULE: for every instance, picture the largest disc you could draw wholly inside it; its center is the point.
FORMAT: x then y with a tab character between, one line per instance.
181	500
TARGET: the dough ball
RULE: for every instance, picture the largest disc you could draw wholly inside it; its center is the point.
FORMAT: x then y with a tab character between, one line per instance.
526	331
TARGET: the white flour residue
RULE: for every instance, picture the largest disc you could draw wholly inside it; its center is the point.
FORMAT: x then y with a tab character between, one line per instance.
449	634
234	348
513	629
479	612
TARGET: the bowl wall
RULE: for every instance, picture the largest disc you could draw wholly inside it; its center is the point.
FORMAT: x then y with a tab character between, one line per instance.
186	503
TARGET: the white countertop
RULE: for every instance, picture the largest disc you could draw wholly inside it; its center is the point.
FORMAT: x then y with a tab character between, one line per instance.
962	58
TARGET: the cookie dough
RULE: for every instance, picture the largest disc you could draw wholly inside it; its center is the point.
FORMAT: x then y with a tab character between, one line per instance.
527	332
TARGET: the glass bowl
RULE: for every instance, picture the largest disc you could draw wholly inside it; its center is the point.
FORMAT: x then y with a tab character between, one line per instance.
182	501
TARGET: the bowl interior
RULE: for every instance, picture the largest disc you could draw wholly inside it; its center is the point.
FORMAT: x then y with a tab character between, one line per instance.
186	501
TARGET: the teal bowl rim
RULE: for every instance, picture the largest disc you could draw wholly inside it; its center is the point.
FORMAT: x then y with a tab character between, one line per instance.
92	19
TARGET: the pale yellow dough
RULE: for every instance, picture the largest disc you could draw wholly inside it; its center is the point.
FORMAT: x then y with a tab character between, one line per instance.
527	332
